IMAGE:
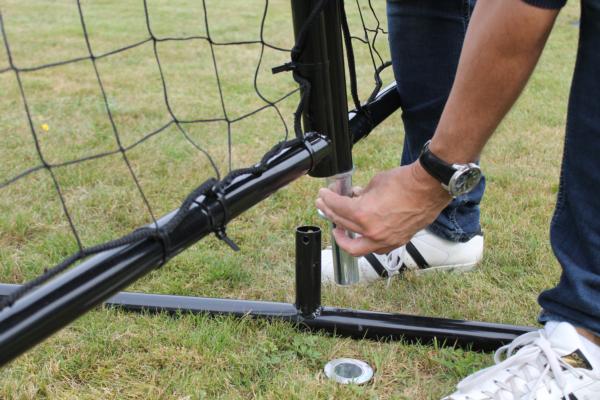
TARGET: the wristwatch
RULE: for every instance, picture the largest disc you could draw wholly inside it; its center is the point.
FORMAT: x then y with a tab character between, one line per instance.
457	179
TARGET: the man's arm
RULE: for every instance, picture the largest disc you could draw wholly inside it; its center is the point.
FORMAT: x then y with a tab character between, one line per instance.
502	46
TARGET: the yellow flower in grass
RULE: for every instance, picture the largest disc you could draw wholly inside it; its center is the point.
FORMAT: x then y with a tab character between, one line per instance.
45	127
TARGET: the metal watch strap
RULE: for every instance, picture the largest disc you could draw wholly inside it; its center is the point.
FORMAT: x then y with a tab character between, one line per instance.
436	167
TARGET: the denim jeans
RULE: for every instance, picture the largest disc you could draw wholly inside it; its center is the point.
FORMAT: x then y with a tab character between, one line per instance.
575	227
426	38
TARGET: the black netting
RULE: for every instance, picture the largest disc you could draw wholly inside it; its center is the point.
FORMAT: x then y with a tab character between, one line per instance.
181	89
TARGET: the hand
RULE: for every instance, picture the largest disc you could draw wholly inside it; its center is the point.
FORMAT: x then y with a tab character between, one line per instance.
394	206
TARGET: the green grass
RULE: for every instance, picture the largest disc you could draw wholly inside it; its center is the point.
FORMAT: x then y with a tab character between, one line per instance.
109	354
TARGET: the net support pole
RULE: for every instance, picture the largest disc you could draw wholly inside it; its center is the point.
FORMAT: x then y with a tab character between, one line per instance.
321	63
340	136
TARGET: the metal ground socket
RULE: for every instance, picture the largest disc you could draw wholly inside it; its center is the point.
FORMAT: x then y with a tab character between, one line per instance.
348	371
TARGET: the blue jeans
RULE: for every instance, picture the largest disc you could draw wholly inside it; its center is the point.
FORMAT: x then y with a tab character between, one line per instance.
575	227
426	38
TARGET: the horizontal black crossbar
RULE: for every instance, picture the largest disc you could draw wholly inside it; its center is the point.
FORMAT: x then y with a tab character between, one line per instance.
339	321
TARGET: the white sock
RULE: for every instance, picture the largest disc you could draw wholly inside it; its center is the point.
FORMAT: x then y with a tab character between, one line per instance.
591	349
549	326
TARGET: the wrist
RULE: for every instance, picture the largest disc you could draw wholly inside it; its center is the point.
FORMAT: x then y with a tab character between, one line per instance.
456	179
453	154
428	183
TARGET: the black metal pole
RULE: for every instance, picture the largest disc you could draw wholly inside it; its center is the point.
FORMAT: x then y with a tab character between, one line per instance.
312	66
48	308
357	324
322	64
341	139
308	270
363	121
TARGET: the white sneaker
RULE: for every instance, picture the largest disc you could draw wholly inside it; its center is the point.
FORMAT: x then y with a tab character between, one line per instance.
539	365
429	252
371	267
425	252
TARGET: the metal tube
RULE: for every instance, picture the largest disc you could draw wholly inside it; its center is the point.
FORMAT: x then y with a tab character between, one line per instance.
308	270
391	326
47	308
322	65
345	266
115	269
339	321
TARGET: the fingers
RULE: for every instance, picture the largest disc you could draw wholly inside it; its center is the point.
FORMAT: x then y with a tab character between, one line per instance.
359	246
338	220
341	210
346	207
357	191
345	213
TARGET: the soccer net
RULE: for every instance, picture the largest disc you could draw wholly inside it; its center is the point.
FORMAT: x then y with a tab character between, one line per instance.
114	113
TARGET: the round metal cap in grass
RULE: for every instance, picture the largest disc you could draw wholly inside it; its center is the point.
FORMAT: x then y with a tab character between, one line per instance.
348	370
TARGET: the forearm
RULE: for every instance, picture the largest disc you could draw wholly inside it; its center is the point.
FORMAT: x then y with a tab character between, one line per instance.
502	46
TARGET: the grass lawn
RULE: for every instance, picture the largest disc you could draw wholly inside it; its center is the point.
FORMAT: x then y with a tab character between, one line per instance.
109	354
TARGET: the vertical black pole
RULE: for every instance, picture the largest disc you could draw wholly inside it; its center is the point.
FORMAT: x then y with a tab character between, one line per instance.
308	270
342	141
322	64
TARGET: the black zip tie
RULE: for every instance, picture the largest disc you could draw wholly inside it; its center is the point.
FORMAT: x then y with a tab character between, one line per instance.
220	231
165	241
310	150
288	66
222	235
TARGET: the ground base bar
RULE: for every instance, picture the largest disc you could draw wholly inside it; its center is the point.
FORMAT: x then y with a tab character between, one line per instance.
341	322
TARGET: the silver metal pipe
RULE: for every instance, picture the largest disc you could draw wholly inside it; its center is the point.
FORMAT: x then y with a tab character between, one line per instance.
345	266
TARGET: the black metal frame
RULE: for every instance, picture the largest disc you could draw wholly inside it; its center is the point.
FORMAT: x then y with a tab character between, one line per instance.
48	308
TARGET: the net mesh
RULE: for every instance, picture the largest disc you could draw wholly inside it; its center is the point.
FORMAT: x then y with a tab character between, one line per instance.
112	112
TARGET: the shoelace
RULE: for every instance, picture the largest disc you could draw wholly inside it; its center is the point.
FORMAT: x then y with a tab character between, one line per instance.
394	260
394	263
533	353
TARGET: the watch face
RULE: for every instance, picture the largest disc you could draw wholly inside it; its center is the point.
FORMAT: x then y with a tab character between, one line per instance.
464	181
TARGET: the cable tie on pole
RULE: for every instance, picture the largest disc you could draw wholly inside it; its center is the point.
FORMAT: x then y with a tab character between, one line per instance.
308	147
220	231
165	241
288	66
222	235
